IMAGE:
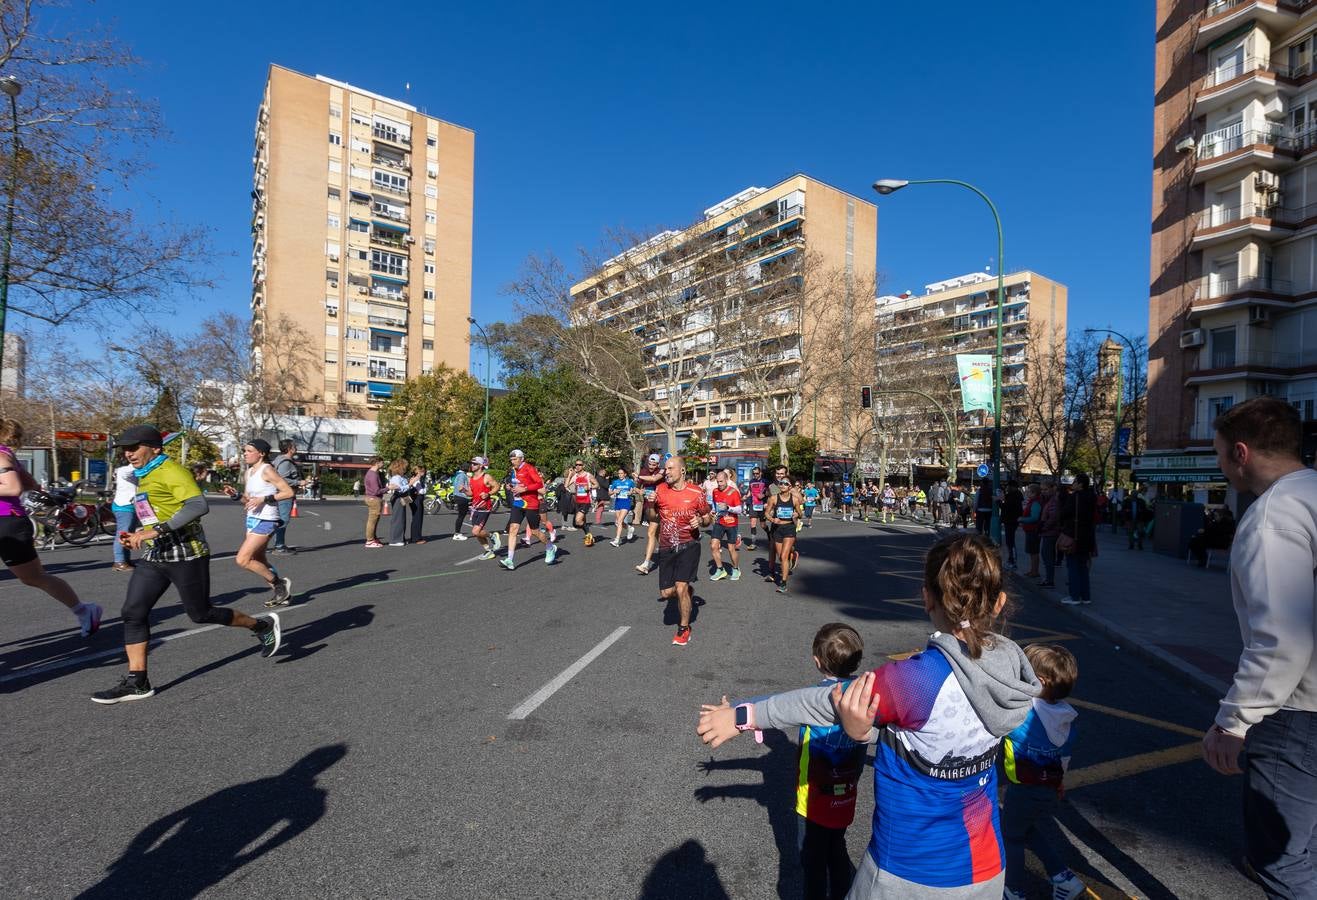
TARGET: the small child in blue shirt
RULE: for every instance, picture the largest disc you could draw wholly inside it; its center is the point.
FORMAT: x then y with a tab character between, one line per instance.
1034	760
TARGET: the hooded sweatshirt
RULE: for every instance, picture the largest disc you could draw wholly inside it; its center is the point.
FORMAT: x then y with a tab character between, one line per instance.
939	726
1038	752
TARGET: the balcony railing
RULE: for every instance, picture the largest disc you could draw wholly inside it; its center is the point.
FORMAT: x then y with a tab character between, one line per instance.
1215	218
379	237
1228	140
382	187
389	134
1218	7
389	214
1229	359
387	162
1211	288
1232	70
392	296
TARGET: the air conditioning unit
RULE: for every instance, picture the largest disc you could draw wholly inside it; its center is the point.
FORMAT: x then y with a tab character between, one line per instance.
333	257
1267	181
1193	337
1259	315
362	290
409	239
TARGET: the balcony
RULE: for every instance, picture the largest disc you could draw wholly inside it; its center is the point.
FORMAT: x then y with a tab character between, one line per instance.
389	296
1232	81
1221	224
1234	147
1212	288
1224	360
1224	16
391	135
387	320
389	239
380	187
391	163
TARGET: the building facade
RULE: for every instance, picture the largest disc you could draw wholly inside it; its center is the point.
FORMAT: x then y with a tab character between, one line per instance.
794	231
919	337
1233	295
361	235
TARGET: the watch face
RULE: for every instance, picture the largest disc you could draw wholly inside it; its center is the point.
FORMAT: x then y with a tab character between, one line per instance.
742	716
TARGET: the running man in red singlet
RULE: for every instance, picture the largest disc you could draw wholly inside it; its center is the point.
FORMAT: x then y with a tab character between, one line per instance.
525	485
648	478
582	485
483	487
682	511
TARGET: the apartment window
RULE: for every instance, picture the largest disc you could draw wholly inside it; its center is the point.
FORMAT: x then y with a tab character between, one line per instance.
359	172
335	167
336	139
1218	405
390	131
334	194
431	141
429	246
335	111
355	334
358	226
427	295
334	221
332	249
390	181
432	171
1223	347
343	443
331	275
429	268
427	318
388	263
356	361
359	118
360	253
331	358
356	387
431	191
331	308
360	146
430	217
331	331
427	345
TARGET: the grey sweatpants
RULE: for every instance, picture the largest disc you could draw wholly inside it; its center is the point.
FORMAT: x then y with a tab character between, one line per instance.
871	883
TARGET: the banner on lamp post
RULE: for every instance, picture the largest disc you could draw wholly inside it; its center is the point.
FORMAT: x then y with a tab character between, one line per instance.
975	371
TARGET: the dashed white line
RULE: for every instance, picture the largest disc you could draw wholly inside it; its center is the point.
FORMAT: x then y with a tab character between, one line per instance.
530	704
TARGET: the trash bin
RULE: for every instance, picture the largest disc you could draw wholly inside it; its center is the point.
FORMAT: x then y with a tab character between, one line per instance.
1176	522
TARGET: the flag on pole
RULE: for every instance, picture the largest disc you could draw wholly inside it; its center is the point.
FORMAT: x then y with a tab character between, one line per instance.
975	371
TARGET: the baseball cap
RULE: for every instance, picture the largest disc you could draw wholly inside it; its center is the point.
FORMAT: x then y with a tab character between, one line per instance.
518	454
260	444
479	461
654	457
140	434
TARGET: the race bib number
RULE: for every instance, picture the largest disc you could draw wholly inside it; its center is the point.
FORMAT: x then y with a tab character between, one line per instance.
785	512
757	507
145	512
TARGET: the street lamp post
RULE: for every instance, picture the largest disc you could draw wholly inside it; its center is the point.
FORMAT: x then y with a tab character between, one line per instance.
12	87
887	186
1134	385
484	424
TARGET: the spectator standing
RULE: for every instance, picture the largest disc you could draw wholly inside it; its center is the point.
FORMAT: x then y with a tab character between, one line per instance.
373	485
398	498
461	498
1031	523
418	484
1135	510
1049	530
1217	533
1270	713
285	466
1079	526
983	508
125	489
1012	508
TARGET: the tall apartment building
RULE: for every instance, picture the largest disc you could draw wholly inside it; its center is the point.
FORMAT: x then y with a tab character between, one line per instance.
1233	296
919	338
361	225
769	232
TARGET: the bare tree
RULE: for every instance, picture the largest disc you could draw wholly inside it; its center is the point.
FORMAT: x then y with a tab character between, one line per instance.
1052	401
76	141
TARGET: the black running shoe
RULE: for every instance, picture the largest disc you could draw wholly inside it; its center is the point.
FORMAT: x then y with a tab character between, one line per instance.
128	688
270	636
283	592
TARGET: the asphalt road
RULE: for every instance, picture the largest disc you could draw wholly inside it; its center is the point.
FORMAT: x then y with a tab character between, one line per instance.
374	756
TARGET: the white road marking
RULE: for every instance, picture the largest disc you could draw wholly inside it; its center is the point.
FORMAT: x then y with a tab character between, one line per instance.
529	705
117	651
465	561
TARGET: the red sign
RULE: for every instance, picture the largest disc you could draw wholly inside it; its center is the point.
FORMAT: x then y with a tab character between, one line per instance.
81	436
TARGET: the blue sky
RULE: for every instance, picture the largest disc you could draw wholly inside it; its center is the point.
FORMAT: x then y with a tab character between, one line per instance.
591	116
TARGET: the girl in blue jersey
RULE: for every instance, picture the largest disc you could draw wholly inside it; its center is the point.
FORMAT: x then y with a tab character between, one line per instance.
621	490
937	719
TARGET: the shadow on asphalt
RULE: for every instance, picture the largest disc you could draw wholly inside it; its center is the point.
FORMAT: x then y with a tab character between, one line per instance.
304	640
684	872
779	767
379	575
184	853
1093	838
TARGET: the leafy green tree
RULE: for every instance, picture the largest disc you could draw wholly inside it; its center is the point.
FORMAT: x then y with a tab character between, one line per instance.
199	449
432	420
801	451
553	415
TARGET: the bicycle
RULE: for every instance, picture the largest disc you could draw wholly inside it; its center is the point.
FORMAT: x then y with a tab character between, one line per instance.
58	517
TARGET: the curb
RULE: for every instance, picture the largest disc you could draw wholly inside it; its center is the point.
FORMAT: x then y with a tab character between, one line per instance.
1189	675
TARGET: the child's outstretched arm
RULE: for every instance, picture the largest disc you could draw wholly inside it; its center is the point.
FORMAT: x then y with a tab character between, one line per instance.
857	707
792	709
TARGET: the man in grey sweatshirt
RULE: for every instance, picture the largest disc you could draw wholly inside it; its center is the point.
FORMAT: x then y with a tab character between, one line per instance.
1270	712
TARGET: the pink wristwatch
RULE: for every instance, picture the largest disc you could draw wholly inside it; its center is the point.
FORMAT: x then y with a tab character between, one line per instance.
744	715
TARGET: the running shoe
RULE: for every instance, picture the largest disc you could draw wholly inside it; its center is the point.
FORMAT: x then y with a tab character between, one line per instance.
569	528
683	636
283	592
1008	894
615	542
397	543
507	564
373	545
749	545
645	567
631	532
1070	601
488	554
459	537
128	688
90	618
1067	886
271	636
719	575
736	574
550	554
782	588
498	540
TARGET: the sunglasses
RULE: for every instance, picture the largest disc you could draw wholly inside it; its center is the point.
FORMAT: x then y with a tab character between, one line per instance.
130	448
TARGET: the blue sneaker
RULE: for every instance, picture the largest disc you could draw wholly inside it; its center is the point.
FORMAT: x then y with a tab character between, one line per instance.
507	564
550	554
736	574
719	575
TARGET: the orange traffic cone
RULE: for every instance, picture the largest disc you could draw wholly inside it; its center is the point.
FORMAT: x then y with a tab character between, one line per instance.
293	514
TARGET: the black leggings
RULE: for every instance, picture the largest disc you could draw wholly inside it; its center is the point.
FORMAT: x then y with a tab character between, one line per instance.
148	584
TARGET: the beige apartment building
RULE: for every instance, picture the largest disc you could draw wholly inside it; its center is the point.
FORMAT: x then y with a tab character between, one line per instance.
919	336
361	225
768	234
1233	295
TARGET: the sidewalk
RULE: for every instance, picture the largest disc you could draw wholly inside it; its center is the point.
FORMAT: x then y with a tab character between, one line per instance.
1177	616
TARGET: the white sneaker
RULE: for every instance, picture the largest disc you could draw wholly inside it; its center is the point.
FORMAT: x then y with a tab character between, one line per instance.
1067	886
498	540
1008	894
631	532
615	542
459	537
1070	601
89	620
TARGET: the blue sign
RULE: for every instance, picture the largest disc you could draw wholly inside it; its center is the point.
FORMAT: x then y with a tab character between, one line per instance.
983	470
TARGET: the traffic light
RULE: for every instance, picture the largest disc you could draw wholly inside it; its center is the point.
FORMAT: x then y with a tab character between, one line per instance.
866	397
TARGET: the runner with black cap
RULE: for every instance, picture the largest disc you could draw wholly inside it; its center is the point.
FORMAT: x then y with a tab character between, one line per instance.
169	506
264	490
648	478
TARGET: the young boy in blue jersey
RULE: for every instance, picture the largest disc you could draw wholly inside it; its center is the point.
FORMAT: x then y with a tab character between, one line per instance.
1034	760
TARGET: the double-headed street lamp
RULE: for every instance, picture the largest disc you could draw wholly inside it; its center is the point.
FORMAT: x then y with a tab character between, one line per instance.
11	87
1134	385
887	186
484	424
